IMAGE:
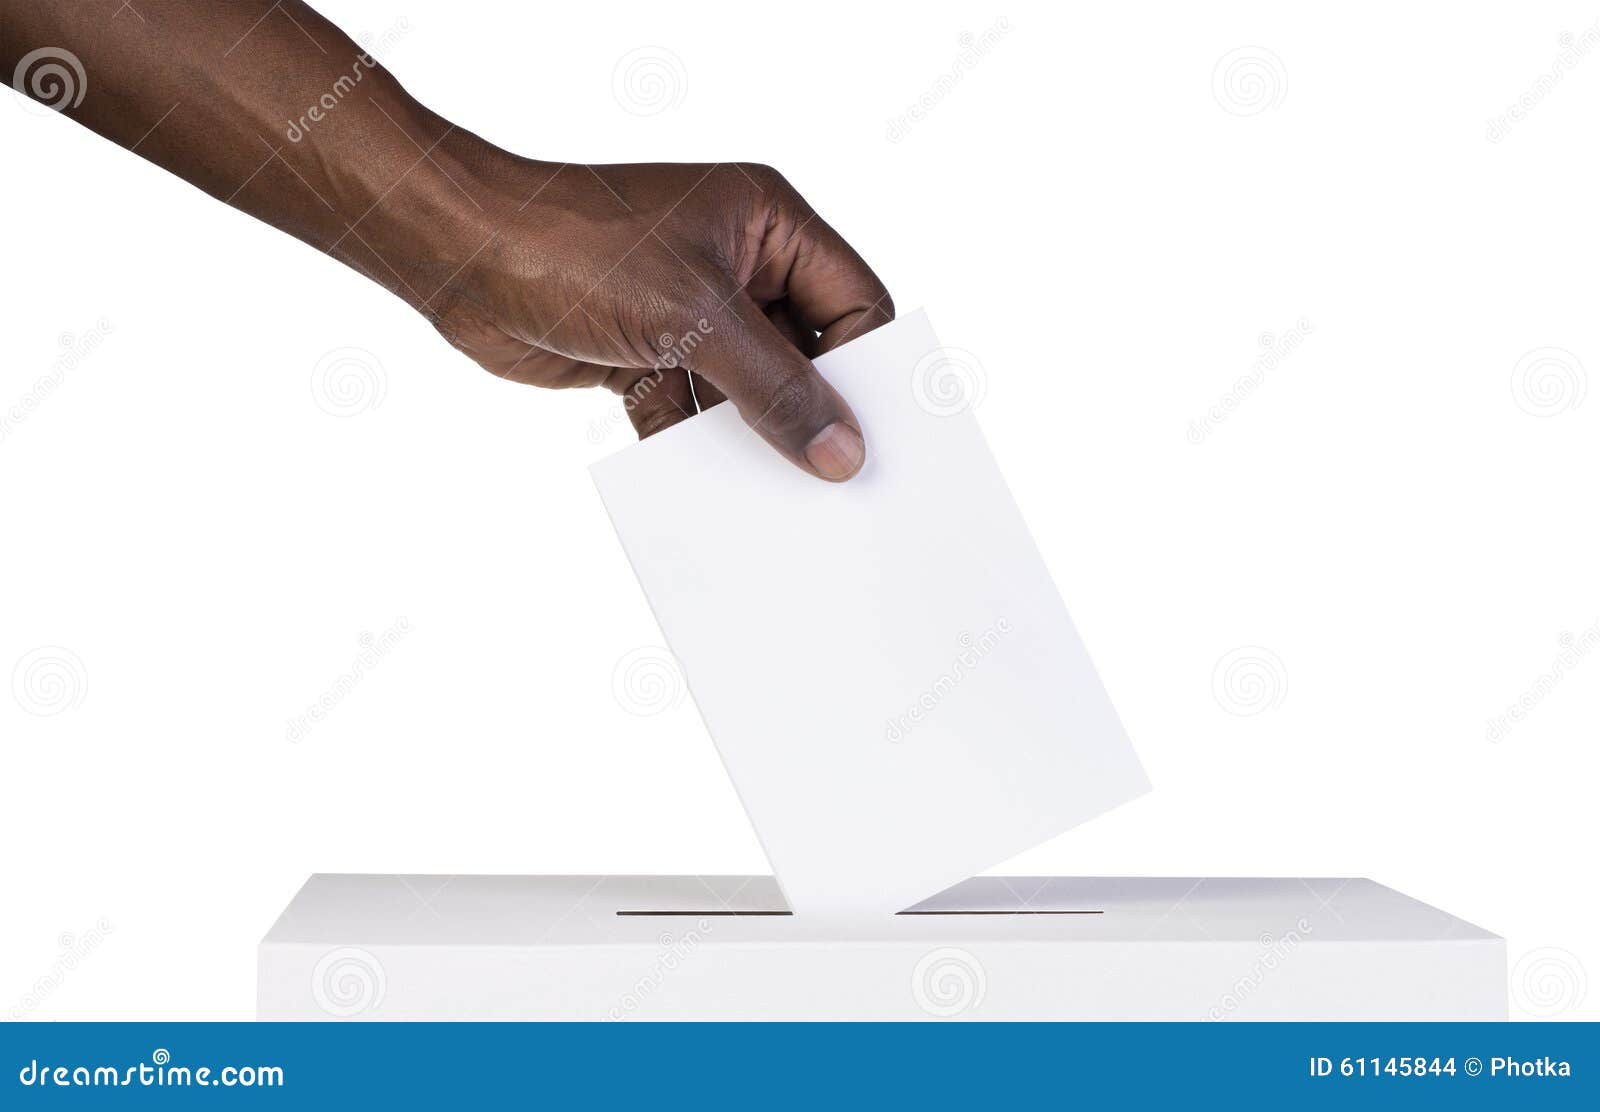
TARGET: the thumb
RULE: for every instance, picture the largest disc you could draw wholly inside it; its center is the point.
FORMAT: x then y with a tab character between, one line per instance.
780	395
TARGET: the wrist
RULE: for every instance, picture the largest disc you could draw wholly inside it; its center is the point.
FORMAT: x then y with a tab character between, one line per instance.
414	215
479	221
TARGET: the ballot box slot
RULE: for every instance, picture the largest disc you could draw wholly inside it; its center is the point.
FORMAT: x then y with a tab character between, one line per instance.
750	914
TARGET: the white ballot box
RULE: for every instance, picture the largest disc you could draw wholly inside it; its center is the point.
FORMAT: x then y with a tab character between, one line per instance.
901	700
991	948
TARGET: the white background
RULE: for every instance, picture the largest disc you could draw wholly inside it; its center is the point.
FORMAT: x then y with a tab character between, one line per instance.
1402	541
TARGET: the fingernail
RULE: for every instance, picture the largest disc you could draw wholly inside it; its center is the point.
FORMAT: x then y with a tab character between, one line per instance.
837	452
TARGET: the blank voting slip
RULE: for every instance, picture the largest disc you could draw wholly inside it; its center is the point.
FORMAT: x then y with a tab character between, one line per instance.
887	669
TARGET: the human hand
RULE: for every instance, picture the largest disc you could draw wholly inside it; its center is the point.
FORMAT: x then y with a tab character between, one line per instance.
669	284
551	274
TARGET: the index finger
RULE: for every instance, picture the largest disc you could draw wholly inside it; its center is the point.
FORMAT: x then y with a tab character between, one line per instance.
830	288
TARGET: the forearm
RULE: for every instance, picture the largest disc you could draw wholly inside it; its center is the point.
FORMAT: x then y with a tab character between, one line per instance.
272	109
555	275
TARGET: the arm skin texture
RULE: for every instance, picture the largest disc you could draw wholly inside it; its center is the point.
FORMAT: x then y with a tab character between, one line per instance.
554	274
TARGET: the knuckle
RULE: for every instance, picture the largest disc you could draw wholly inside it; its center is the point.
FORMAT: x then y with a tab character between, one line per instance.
672	324
790	405
766	178
651	421
689	292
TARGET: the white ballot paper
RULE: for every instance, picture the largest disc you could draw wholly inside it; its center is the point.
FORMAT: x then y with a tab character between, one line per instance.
885	665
